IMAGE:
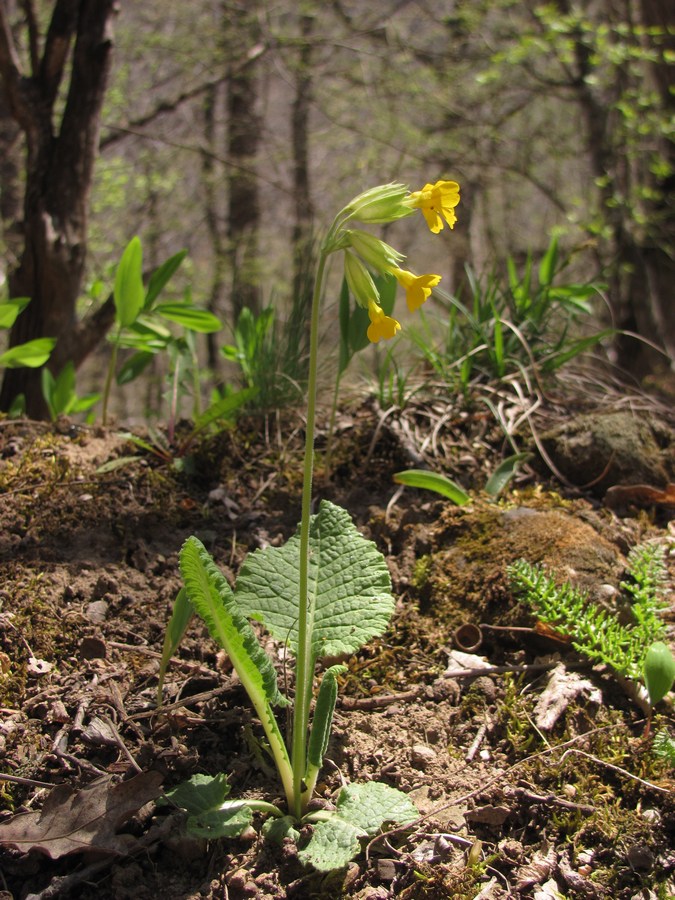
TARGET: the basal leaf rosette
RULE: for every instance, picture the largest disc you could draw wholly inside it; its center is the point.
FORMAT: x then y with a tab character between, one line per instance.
349	586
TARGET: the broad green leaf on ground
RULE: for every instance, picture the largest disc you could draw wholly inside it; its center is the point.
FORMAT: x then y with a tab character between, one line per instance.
212	598
277	830
333	845
81	821
370	805
349	586
209	816
362	810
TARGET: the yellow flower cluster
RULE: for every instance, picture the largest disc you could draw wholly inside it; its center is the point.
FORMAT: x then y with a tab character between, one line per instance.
362	250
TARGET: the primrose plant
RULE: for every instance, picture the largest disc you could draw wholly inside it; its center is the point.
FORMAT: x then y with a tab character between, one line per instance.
323	594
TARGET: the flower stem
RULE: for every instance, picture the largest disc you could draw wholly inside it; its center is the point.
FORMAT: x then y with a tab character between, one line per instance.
304	664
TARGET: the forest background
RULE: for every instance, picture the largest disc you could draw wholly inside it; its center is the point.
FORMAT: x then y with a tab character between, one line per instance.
236	130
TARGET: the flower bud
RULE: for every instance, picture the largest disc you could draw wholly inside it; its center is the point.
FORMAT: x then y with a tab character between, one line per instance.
374	252
359	281
384	203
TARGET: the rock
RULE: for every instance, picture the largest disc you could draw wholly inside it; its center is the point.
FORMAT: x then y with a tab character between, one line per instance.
422	756
602	450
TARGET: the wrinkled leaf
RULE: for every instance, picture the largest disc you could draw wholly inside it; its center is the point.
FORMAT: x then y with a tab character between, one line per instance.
350	586
80	821
209	816
362	810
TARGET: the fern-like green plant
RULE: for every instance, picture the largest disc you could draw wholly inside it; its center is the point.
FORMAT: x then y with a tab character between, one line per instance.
597	632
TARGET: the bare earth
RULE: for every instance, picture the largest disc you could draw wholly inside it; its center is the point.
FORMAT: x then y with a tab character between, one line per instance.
532	777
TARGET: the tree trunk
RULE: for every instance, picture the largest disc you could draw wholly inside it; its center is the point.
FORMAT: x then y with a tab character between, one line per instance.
59	167
243	216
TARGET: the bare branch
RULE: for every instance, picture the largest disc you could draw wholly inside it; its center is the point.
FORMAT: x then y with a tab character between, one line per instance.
57	46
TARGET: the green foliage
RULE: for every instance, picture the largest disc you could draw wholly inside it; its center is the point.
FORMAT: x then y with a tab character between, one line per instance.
510	324
271	356
446	487
351	602
60	393
361	811
599	634
143	325
663	747
31	354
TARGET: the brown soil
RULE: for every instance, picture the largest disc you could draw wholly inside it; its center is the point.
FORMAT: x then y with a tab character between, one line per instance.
507	809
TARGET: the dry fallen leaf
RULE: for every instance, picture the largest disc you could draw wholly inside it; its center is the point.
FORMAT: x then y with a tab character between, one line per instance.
78	821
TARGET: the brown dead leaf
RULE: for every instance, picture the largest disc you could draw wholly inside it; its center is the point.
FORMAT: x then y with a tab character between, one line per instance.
85	820
623	495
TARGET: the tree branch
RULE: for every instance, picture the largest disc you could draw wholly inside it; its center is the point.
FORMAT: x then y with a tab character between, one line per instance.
62	27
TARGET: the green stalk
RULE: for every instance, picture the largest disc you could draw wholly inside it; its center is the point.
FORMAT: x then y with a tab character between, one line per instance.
109	376
304	663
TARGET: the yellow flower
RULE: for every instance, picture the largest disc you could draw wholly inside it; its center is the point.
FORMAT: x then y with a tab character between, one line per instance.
436	200
417	287
381	326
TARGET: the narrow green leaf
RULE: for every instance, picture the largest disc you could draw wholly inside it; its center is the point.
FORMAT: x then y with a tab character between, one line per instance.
129	292
181	616
548	263
323	715
432	481
161	277
190	317
212	598
32	354
504	473
10	309
349	583
224	409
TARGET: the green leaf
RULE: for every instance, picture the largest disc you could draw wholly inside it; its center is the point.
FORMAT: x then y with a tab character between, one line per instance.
350	587
370	805
200	793
209	815
225	408
362	810
504	473
32	354
323	715
10	309
161	276
333	845
190	317
277	830
181	616
129	292
212	598
134	366
659	671
548	263
432	481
